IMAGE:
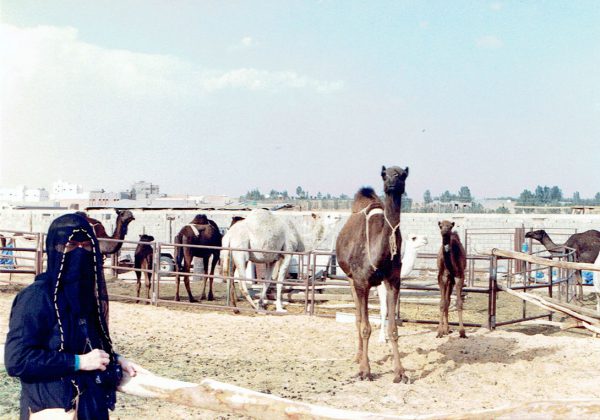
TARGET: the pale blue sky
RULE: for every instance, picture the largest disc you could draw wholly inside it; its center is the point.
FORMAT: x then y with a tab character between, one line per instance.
221	97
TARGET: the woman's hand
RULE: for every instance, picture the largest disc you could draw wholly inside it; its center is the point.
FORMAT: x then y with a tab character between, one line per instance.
95	360
128	366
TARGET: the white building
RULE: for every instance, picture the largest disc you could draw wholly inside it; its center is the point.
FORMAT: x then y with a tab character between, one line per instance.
62	190
22	194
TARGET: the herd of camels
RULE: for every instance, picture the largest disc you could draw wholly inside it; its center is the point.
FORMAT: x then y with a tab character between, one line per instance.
367	248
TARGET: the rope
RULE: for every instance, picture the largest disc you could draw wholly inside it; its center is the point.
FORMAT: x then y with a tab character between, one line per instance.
392	238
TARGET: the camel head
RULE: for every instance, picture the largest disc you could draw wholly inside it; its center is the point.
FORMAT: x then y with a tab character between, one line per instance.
538	235
146	238
416	241
323	228
445	227
126	216
394	179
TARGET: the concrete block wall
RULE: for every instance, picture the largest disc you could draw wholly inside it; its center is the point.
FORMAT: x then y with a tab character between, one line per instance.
164	224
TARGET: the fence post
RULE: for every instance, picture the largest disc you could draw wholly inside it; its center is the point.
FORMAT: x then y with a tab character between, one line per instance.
39	254
155	272
492	295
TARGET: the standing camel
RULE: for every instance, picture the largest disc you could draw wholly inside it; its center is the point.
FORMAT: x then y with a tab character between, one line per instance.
451	261
124	217
143	260
368	250
201	231
408	263
263	230
586	245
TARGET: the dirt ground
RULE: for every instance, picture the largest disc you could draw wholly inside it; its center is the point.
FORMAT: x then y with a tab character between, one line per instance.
310	359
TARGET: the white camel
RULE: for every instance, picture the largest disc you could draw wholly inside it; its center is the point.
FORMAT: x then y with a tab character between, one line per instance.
596	281
263	230
413	243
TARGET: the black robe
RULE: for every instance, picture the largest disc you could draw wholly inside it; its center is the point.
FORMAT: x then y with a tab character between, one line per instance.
57	317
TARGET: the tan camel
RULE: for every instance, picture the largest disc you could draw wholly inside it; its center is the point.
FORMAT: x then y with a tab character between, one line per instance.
143	260
586	245
368	250
201	231
124	217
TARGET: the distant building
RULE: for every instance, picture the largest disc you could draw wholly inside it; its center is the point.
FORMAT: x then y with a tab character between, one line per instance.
143	190
22	194
62	190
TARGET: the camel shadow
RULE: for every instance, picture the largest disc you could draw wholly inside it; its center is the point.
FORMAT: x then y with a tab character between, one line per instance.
477	349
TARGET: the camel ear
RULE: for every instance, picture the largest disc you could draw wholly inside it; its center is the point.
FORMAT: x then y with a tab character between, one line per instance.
439	224
406	172
383	174
452	224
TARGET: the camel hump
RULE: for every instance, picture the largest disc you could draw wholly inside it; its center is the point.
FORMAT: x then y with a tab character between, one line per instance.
365	197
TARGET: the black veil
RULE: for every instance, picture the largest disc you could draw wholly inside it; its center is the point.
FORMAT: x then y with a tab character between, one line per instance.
63	229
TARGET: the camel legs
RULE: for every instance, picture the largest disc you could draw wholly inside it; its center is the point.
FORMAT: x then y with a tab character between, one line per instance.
392	292
284	265
357	320
138	275
268	277
213	265
187	264
240	260
444	282
459	306
382	293
210	280
362	295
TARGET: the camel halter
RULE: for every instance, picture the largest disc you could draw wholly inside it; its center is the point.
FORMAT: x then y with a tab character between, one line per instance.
392	239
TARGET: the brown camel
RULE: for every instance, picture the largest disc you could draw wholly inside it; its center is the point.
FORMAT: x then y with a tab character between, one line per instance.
143	259
201	231
124	217
451	261
368	250
586	245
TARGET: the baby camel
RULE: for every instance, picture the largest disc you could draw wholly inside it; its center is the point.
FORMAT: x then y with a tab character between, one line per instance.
451	261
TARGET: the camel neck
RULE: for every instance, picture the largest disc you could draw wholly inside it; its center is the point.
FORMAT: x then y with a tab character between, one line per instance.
548	243
120	230
393	204
446	239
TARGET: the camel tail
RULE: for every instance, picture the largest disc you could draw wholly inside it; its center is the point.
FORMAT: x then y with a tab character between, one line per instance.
178	253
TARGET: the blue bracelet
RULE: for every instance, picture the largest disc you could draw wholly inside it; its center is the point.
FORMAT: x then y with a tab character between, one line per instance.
76	362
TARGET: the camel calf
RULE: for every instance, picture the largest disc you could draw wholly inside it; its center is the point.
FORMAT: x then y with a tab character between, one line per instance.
143	259
451	261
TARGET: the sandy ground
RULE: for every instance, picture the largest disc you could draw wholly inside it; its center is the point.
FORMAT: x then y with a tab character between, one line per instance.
310	359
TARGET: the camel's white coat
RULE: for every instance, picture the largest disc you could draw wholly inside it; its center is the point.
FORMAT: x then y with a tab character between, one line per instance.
263	230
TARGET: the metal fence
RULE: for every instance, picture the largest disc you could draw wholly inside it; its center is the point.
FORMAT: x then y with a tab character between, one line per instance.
317	273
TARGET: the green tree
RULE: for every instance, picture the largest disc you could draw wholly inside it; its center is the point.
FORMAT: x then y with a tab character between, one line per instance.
464	195
526	198
427	197
254	195
446	197
576	197
556	194
300	192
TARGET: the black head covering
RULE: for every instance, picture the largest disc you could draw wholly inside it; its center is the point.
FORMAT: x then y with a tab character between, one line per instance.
76	276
